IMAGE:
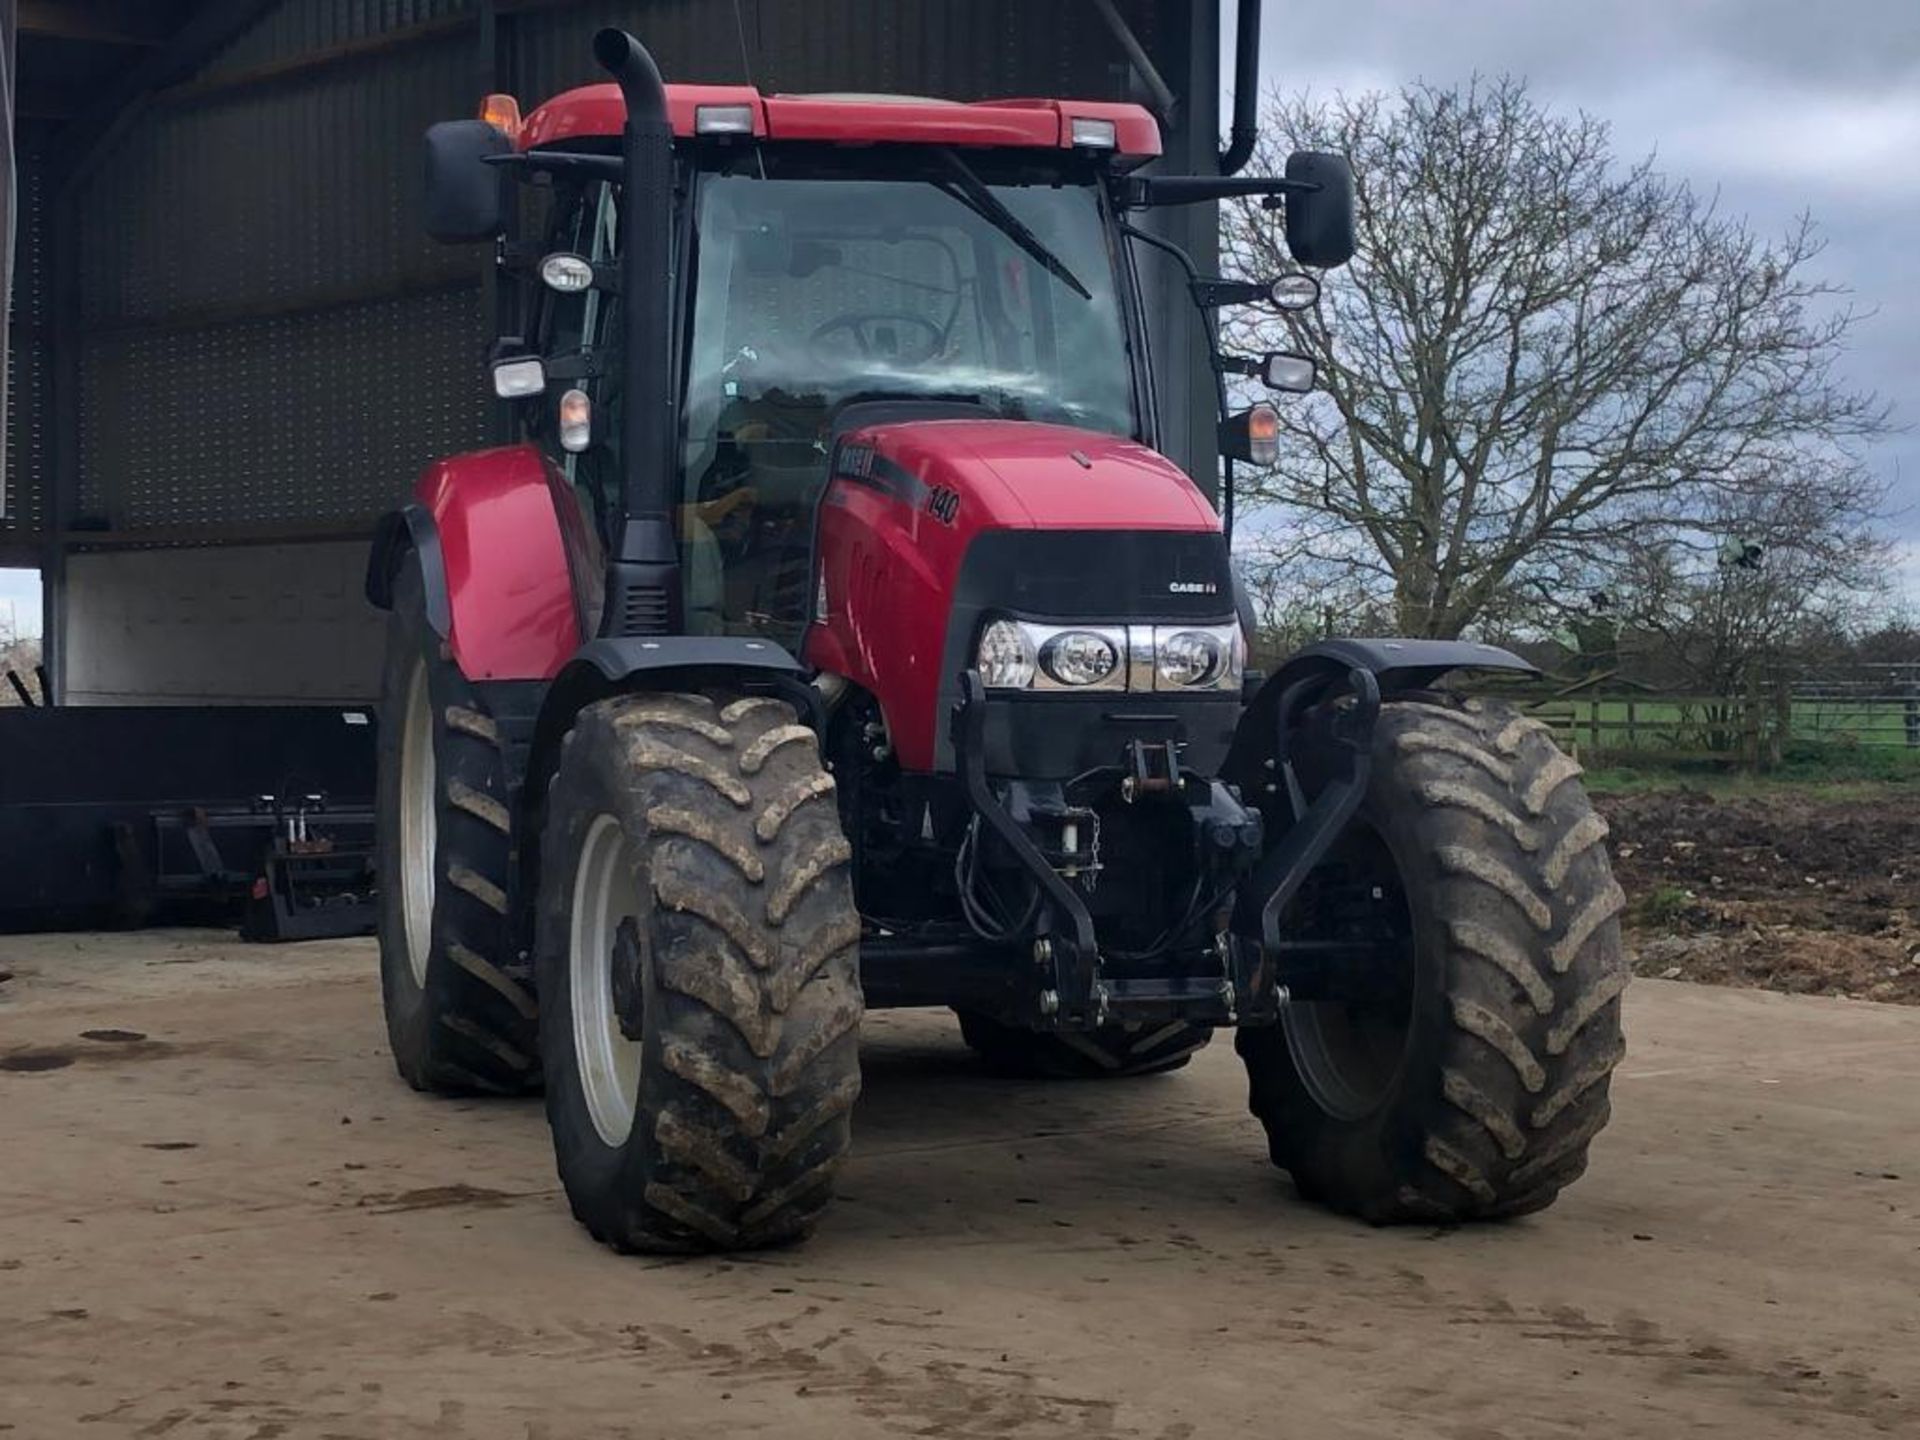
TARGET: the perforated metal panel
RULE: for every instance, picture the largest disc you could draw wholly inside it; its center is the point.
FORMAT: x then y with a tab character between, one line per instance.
291	421
29	357
284	196
268	338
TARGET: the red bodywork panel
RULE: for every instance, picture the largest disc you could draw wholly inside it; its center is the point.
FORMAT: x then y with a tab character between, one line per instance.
890	562
597	111
509	590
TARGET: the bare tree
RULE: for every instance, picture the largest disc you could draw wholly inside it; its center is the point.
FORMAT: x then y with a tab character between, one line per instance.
1538	359
1782	582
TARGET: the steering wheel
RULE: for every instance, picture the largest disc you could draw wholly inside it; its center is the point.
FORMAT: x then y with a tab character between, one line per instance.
858	323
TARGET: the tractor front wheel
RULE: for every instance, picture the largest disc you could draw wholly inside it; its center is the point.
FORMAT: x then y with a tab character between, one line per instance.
697	957
1459	1068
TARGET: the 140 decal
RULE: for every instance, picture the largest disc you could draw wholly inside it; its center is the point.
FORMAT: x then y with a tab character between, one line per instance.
943	504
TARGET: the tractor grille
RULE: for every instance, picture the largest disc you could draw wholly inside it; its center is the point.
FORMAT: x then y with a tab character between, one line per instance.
644	610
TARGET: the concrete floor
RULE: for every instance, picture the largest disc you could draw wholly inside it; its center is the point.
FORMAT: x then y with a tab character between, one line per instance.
242	1226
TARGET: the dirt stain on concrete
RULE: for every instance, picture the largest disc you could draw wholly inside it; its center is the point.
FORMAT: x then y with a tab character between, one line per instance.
32	1061
436	1197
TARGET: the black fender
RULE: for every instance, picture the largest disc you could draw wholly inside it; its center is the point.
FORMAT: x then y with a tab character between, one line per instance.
1307	676
635	663
409	531
618	665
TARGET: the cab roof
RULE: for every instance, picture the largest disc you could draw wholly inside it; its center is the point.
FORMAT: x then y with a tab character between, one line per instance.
599	111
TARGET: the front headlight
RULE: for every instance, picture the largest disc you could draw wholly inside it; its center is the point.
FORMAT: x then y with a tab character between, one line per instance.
1079	657
1022	655
1184	659
1006	656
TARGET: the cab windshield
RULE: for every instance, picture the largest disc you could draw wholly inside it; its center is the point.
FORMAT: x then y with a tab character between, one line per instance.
812	292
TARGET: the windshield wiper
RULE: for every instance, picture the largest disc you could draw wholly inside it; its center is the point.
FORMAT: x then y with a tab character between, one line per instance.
970	190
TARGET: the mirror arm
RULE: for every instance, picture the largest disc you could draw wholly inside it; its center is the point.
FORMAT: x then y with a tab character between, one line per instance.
583	364
1144	192
1212	294
524	164
1238	365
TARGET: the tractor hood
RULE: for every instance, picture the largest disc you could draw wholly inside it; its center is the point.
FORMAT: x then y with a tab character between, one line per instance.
978	474
932	522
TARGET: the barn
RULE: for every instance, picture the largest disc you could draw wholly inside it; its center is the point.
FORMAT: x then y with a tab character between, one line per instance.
232	348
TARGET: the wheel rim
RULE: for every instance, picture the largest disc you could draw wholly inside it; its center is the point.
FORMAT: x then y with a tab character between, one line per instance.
606	891
1349	1054
418	824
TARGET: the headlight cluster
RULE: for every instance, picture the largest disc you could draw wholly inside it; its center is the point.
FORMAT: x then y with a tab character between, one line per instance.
1021	655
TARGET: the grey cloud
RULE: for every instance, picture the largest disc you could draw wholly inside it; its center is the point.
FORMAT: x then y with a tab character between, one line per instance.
1827	91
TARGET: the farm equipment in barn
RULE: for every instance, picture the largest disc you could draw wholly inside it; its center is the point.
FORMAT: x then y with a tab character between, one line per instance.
838	638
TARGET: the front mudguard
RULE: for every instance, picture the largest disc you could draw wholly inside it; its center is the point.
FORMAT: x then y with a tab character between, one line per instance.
1266	726
1302	829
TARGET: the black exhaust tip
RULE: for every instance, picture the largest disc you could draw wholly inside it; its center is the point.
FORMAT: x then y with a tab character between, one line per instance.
627	60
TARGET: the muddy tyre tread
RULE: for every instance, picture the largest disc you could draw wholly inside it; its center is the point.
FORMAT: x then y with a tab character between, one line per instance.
1506	1082
752	999
470	1030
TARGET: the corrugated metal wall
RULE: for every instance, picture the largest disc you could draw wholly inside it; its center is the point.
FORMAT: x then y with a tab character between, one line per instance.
267	340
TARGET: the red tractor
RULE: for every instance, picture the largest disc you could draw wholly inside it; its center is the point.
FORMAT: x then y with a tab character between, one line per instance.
836	637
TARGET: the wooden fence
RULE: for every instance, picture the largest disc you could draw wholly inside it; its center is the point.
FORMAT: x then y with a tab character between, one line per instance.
1749	728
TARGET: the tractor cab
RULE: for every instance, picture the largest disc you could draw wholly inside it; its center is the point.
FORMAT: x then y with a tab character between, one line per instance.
827	251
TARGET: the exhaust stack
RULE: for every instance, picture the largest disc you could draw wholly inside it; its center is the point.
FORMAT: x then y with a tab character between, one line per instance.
1246	89
643	583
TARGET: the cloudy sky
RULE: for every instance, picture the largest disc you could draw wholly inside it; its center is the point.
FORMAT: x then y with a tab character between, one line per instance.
1778	105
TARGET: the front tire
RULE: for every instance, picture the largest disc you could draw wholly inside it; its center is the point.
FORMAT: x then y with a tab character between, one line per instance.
459	1007
1473	1088
698	966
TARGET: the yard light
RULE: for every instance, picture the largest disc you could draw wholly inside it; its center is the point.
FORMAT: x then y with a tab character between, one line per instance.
519	376
723	120
566	274
1088	133
1283	370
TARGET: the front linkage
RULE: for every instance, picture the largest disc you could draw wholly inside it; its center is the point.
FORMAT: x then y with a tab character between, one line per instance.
1070	986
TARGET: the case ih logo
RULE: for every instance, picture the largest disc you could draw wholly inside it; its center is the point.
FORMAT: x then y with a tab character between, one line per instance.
943	504
1192	587
856	461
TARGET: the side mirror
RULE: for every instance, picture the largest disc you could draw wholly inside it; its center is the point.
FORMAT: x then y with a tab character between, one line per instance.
1296	290
1320	221
463	191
